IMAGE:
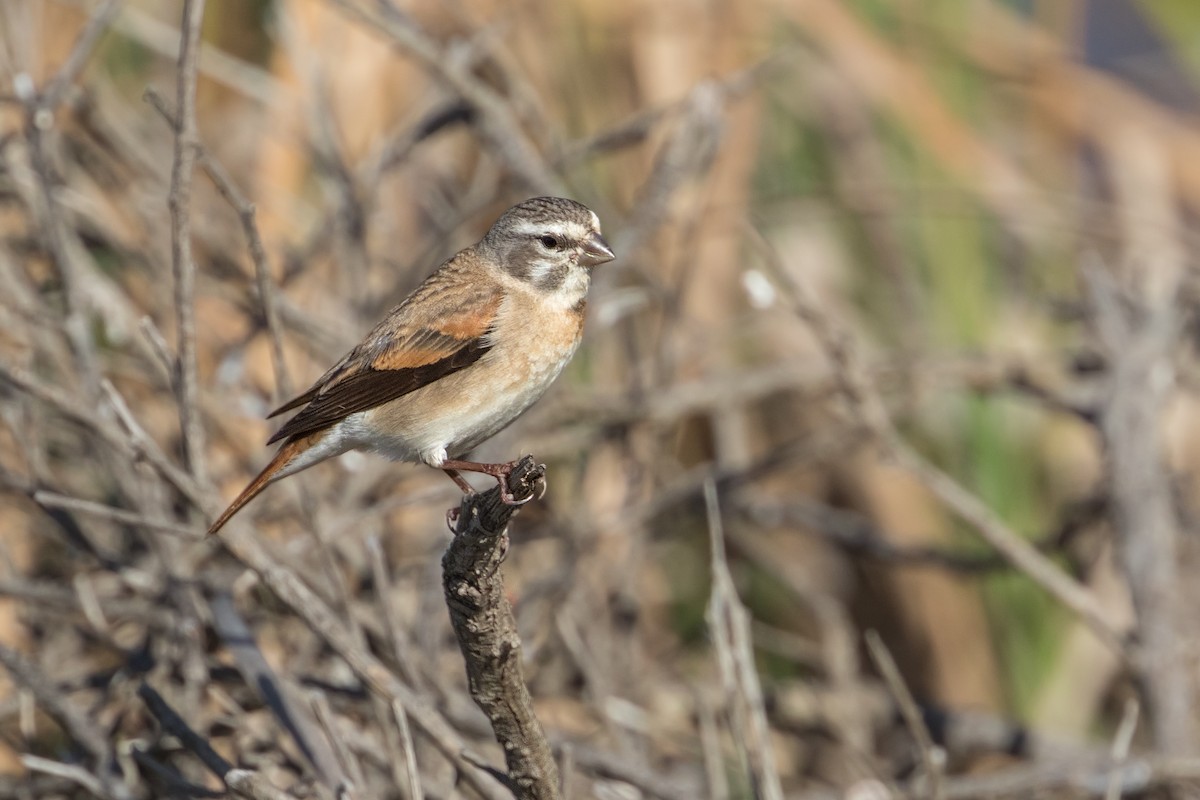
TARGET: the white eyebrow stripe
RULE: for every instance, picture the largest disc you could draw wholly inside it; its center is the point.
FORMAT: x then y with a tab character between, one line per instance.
567	230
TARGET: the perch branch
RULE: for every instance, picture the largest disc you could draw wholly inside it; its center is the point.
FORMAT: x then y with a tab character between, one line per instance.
486	630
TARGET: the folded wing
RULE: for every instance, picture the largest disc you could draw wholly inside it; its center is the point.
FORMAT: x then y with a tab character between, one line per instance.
439	330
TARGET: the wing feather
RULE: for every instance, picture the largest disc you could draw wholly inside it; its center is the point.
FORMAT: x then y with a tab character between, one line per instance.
440	329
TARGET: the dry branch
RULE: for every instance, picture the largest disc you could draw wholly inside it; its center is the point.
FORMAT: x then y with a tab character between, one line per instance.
865	405
729	624
182	263
77	725
487	633
932	757
280	696
1140	331
492	113
289	588
244	783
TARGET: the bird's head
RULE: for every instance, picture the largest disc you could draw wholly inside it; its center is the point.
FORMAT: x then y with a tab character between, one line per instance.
550	242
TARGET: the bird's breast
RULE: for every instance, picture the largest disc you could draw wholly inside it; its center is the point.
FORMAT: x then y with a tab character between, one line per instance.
529	346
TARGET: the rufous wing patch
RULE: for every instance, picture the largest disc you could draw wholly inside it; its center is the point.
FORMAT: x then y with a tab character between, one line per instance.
400	356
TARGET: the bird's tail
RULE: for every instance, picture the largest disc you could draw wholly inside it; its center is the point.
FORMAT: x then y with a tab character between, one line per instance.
277	469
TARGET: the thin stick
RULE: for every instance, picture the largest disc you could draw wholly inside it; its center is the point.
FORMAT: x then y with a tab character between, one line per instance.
400	642
69	72
353	782
933	758
243	782
1120	747
288	587
864	402
278	694
729	623
247	216
62	241
410	751
47	499
144	444
494	115
182	264
710	749
72	772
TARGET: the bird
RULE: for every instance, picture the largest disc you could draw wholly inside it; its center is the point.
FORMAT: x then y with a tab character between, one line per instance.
466	353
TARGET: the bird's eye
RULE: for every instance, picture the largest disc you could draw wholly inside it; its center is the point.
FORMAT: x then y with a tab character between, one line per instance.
549	242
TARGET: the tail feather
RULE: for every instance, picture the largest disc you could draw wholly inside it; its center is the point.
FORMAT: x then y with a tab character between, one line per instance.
270	473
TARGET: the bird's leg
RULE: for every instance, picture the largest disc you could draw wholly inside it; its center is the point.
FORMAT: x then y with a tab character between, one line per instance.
460	480
498	471
452	513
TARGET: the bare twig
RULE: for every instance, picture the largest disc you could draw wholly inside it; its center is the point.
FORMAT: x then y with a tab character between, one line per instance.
493	117
183	266
62	242
47	595
1120	747
74	723
410	751
1140	330
143	444
710	747
686	154
247	216
53	500
933	758
399	640
72	772
321	619
487	634
350	786
214	64
244	783
729	623
278	695
69	72
865	404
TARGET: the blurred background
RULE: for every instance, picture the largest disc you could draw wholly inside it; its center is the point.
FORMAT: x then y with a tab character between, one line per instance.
908	286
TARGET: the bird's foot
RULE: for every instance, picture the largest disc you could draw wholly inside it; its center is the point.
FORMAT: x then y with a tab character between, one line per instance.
506	495
501	472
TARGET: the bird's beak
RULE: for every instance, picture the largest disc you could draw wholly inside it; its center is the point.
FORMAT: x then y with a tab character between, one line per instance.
595	251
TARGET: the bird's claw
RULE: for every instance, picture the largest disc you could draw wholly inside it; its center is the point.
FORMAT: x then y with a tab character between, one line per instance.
510	499
452	515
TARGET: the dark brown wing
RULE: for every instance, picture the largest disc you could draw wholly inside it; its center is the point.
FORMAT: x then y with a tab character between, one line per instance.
295	402
440	329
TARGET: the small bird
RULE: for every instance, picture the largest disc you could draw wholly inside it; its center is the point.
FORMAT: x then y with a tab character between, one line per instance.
474	346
